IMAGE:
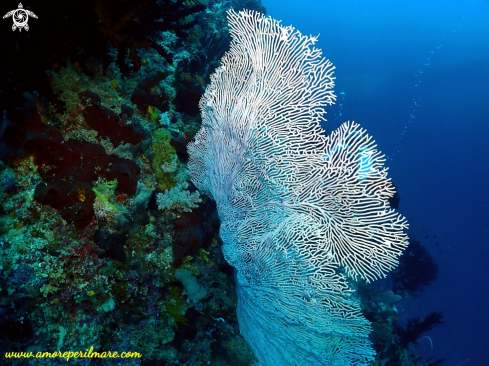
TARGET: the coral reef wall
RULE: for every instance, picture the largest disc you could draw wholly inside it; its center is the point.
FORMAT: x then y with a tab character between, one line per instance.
104	242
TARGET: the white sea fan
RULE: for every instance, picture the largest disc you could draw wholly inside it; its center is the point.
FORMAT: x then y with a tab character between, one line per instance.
300	211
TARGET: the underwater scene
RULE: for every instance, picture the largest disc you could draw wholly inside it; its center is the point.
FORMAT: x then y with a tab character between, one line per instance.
244	182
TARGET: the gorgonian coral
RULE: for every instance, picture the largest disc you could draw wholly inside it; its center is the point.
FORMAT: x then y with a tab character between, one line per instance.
300	212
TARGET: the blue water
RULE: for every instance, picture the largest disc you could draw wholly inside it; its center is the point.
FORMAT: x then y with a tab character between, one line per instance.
415	74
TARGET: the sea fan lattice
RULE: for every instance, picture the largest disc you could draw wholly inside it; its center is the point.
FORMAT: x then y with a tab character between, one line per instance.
301	213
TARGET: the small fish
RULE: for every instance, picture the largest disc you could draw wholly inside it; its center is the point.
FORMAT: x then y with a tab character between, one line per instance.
186	77
199	79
